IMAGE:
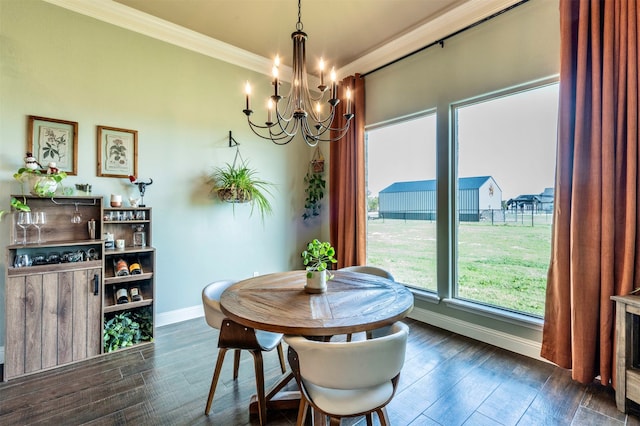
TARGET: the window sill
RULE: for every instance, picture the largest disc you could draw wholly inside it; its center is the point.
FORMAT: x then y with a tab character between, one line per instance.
515	318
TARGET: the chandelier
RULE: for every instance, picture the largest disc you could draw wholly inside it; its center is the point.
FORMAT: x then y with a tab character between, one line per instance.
300	110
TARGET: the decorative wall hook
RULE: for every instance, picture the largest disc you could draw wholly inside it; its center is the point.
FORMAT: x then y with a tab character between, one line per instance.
232	141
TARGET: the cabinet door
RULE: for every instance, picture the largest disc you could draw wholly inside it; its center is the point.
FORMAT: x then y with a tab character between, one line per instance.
52	319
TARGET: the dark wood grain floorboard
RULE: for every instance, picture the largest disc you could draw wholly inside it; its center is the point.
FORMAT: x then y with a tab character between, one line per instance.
447	380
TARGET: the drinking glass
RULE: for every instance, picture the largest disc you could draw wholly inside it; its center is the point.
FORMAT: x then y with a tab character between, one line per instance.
24	221
38	219
77	217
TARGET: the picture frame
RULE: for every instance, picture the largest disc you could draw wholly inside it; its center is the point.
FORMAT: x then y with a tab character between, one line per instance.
117	152
54	140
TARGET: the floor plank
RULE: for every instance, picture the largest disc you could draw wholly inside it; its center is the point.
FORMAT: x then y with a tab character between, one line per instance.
447	380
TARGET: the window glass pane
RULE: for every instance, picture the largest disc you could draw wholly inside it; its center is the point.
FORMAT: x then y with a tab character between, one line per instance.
401	171
506	170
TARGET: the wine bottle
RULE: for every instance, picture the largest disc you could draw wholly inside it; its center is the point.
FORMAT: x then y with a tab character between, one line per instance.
121	296
135	269
122	268
136	296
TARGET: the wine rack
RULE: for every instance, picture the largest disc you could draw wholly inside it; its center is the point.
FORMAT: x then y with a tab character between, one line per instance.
123	224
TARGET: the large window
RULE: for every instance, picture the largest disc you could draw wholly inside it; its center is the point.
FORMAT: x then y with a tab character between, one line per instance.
504	150
506	168
401	230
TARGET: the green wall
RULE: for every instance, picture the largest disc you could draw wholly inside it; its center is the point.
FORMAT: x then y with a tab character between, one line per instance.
59	64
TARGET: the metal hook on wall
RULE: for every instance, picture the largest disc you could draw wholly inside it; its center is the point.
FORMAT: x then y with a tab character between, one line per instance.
232	143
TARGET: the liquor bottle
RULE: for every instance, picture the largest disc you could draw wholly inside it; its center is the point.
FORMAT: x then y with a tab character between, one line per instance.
121	296
136	296
140	237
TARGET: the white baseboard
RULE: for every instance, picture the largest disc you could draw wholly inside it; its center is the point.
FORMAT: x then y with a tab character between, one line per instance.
493	337
506	341
179	315
530	348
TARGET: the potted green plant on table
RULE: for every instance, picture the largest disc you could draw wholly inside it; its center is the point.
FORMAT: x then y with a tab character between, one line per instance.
317	257
240	184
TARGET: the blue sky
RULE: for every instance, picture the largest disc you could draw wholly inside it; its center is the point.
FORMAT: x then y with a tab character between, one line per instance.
512	138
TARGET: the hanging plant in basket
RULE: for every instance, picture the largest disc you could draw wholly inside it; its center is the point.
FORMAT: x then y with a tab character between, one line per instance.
314	180
239	183
317	162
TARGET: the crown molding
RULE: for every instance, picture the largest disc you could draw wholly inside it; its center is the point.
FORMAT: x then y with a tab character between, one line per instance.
436	29
133	20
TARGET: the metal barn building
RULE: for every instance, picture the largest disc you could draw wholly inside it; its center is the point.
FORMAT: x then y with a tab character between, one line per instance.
416	200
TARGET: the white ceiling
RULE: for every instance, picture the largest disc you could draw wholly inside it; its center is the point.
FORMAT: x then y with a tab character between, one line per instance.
351	35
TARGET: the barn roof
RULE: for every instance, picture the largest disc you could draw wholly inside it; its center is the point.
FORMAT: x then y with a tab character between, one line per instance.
430	185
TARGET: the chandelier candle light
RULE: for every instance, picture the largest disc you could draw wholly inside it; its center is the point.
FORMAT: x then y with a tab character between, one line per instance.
296	112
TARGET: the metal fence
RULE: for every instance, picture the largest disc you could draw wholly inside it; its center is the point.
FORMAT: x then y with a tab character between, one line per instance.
520	217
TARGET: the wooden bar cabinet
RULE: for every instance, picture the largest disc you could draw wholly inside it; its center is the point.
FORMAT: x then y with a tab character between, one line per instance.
59	292
627	356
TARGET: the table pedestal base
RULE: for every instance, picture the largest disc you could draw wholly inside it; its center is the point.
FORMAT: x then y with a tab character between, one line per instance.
277	399
286	400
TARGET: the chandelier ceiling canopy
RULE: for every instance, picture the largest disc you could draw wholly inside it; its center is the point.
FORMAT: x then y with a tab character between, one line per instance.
301	110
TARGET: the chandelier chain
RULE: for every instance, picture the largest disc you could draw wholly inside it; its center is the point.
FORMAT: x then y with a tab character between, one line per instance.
300	110
299	24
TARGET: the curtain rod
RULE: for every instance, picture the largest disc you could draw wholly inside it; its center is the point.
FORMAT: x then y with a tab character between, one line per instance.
442	40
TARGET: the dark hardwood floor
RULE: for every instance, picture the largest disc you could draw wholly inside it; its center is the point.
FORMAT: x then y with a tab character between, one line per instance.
447	380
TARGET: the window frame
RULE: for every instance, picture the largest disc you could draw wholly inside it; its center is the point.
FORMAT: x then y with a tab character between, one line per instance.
451	298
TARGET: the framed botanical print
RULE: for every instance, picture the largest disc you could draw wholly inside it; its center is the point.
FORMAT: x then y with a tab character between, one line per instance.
51	140
117	152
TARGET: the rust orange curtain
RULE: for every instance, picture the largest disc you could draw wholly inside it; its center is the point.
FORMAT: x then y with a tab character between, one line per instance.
347	198
596	233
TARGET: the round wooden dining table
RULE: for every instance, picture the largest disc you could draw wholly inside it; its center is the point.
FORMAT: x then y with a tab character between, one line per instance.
353	302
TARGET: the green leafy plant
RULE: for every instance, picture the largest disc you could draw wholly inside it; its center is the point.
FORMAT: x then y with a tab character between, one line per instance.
40	182
241	185
20	205
17	205
318	256
128	328
315	193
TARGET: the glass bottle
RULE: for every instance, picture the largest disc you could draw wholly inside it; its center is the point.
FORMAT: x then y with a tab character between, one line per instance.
140	237
121	296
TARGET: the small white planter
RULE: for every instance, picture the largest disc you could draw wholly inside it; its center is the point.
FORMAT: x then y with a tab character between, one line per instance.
316	282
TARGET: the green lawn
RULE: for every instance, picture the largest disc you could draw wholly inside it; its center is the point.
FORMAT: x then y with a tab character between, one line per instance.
503	264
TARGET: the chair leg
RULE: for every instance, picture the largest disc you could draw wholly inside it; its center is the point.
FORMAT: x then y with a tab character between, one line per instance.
214	380
383	416
236	363
262	402
302	412
319	418
369	418
283	366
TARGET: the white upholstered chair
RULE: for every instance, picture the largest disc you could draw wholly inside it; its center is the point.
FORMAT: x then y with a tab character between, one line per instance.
372	270
348	379
236	337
